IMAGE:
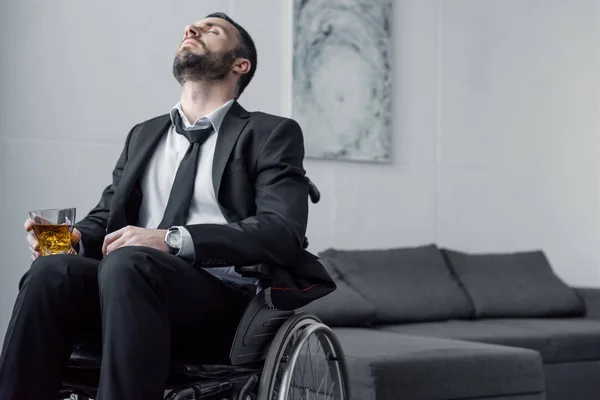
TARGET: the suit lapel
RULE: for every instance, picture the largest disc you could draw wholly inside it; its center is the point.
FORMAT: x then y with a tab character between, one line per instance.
142	147
150	134
233	124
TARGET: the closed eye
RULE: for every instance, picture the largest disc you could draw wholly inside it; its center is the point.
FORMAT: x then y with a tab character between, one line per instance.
215	28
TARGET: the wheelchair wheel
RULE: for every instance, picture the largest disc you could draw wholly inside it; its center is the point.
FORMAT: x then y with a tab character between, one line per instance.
305	362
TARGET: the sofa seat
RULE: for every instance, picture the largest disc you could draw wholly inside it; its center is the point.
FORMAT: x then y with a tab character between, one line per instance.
558	340
386	365
568	339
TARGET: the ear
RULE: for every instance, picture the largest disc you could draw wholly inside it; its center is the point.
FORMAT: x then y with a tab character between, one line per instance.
241	66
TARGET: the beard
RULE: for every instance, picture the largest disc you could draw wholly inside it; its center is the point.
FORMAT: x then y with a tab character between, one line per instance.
211	66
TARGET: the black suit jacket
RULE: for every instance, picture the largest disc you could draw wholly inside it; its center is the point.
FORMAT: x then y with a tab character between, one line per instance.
260	184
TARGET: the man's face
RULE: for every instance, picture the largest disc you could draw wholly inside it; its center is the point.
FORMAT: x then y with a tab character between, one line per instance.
207	51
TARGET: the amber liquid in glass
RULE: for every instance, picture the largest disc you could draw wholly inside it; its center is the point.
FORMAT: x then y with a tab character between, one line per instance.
54	239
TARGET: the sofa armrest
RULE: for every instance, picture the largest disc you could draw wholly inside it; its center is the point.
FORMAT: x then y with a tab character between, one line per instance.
591	298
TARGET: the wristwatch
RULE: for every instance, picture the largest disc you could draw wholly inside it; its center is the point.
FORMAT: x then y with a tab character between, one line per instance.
173	240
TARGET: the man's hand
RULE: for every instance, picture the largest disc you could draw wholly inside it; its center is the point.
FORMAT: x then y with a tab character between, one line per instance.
135	236
34	245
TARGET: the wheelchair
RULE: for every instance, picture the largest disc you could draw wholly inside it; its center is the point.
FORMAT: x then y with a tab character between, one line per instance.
275	355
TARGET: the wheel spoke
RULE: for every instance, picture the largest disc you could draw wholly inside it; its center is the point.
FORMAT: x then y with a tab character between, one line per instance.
318	348
309	386
323	382
298	388
303	369
326	375
306	358
332	391
298	378
312	370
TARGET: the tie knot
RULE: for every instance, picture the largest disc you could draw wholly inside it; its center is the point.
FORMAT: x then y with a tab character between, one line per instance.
192	135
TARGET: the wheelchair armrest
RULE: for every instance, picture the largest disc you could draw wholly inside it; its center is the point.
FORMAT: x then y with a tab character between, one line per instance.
260	271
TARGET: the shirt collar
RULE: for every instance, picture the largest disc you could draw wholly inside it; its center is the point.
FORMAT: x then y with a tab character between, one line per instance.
214	118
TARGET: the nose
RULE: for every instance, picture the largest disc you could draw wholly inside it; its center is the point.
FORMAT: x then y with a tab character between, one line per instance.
191	31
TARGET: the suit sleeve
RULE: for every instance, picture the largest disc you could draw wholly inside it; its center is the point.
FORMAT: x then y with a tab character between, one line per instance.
93	226
276	233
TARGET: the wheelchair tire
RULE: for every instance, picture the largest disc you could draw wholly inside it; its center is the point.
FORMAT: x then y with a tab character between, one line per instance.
282	361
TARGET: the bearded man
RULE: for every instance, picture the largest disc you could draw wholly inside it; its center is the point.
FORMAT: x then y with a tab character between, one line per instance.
194	193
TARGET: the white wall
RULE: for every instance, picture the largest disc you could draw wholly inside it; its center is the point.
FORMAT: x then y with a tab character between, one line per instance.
495	107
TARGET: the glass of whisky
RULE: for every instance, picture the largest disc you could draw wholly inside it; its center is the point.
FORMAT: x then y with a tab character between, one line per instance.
52	228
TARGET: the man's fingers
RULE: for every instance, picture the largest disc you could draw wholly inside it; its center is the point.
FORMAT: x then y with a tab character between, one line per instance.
28	224
108	239
111	237
33	242
35	255
106	243
75	236
104	246
115	245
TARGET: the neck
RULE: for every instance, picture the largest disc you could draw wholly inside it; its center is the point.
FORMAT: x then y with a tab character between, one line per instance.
201	98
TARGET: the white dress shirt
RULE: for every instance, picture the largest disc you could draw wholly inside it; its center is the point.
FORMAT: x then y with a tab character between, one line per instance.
157	180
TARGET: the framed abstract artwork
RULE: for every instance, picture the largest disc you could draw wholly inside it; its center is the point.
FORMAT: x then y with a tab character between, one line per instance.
342	78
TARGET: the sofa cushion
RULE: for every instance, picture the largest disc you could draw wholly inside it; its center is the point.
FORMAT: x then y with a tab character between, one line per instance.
484	331
384	365
404	284
513	285
591	298
569	339
342	307
556	339
573	381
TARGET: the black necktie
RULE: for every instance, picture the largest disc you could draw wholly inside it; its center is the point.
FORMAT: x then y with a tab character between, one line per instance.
180	198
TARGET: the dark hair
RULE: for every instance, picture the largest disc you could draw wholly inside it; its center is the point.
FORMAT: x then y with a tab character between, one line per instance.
245	49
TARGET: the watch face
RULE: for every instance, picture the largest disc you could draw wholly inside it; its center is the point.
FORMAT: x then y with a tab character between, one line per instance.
174	239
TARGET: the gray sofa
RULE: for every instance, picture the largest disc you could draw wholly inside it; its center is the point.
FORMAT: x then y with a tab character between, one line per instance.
425	323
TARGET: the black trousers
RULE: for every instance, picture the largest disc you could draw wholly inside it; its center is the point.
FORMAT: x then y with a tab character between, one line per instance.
146	307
